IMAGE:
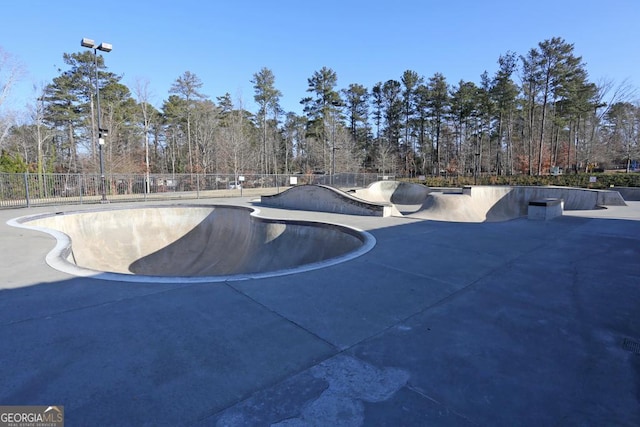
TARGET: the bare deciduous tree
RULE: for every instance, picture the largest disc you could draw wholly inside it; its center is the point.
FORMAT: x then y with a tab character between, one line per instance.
11	71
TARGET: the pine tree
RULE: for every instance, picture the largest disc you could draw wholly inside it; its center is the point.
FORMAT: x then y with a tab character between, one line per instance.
319	109
438	106
268	99
187	87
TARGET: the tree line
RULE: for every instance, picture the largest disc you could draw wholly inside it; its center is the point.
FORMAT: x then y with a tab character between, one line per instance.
538	113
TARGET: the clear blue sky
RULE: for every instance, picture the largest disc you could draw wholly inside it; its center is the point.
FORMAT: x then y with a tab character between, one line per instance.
225	43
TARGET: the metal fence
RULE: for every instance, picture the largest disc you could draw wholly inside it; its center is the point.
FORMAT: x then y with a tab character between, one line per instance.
29	189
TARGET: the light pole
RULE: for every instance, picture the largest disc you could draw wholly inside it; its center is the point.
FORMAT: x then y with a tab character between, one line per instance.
333	160
336	104
102	133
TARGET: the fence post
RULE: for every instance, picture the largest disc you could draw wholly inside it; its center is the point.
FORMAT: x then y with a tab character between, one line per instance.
197	186
26	188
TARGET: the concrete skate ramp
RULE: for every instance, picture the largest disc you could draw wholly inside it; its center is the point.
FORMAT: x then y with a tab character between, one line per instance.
196	240
322	198
630	194
469	204
396	192
501	203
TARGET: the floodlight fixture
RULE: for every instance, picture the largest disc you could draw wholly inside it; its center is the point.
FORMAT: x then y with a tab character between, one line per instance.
105	47
88	43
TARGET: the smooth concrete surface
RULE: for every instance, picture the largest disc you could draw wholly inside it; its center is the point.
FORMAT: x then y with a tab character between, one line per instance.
528	323
323	198
502	203
471	204
190	240
628	193
396	192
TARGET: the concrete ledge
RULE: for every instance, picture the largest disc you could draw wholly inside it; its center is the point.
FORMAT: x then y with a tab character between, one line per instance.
545	209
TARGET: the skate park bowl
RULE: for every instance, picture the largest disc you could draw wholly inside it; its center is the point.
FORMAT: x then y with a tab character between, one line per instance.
191	243
468	204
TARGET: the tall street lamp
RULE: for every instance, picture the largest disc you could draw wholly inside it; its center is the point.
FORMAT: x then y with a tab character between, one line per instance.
102	133
336	104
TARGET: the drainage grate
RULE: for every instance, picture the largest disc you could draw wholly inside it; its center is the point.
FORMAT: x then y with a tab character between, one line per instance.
631	346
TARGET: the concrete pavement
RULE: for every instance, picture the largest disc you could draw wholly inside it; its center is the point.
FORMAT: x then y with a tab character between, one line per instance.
506	323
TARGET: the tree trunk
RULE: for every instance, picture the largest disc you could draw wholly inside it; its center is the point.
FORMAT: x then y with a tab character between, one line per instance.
542	123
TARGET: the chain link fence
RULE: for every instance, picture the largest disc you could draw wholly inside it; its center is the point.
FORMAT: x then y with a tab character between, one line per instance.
29	189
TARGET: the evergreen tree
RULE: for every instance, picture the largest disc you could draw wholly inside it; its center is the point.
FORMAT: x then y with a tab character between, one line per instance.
438	106
268	99
356	99
553	117
319	109
187	87
410	82
12	164
486	113
504	94
294	137
531	84
69	106
392	104
422	124
556	66
463	113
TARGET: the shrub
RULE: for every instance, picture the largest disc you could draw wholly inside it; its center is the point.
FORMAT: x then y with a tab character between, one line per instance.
581	180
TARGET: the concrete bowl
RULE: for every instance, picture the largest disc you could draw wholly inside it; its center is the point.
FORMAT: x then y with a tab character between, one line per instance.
200	243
